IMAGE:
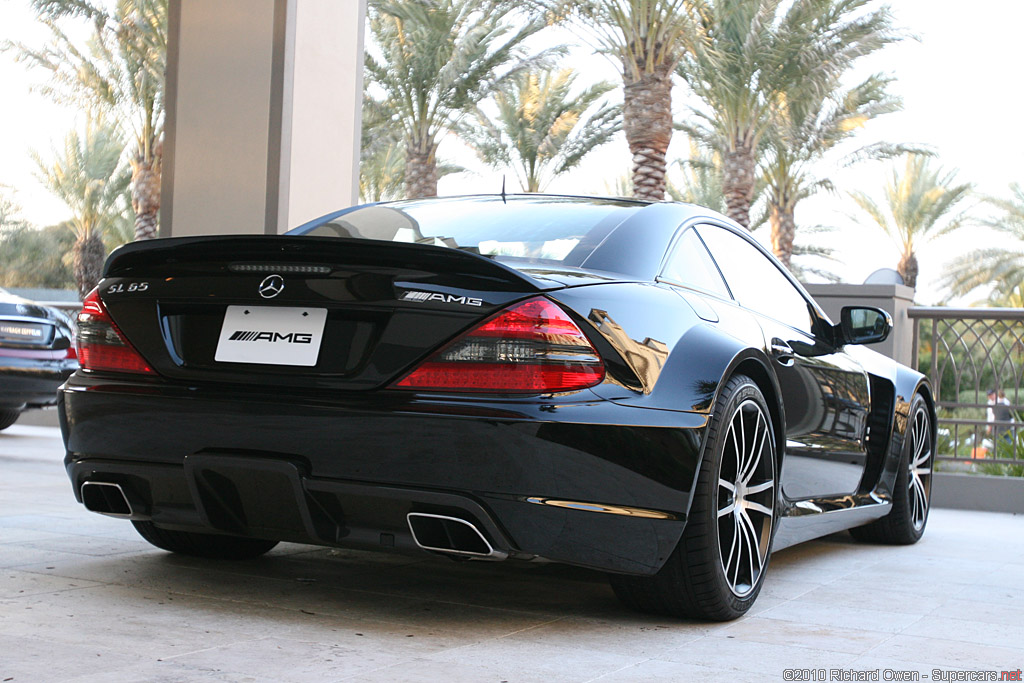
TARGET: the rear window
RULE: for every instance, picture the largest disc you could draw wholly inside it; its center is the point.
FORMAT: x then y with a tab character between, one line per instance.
562	230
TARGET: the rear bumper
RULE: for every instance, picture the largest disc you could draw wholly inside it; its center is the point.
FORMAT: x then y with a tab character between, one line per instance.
584	481
30	381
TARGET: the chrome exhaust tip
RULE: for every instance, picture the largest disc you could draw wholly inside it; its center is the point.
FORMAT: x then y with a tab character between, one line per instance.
106	498
452	536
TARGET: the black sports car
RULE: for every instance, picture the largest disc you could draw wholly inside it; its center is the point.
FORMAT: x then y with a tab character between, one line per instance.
632	387
36	355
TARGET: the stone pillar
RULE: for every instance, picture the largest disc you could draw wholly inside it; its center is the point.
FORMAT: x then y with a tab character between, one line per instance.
264	101
895	299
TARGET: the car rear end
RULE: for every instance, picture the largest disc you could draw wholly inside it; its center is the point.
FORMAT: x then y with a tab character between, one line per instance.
340	390
36	354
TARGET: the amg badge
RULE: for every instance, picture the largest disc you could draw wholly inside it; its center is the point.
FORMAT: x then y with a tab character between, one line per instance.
288	337
445	298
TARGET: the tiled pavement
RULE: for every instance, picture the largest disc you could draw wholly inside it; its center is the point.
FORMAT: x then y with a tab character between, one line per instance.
82	598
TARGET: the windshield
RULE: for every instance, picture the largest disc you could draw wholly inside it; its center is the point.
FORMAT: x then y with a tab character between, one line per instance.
562	230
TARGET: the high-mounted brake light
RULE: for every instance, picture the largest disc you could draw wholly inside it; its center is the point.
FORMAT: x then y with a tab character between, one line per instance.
101	346
534	347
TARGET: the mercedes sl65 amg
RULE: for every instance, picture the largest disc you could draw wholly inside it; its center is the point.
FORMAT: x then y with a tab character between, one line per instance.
637	388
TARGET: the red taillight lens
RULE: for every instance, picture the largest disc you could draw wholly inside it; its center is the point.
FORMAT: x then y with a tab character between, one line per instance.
534	347
101	346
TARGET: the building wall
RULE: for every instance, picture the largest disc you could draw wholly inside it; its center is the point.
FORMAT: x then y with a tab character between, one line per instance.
264	101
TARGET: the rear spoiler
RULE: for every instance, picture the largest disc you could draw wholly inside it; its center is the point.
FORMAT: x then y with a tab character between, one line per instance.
185	253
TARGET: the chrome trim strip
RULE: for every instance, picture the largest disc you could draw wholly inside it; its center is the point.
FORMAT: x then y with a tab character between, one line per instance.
602	507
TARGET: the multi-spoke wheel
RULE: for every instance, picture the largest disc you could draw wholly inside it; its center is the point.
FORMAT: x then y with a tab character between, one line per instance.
919	470
718	567
746	498
912	489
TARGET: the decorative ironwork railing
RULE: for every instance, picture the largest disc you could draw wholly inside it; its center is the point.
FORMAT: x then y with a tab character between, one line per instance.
968	352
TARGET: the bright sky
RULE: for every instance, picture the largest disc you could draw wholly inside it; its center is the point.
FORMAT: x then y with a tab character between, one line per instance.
959	85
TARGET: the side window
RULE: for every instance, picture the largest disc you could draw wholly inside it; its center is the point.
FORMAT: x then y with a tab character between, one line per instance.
691	265
755	280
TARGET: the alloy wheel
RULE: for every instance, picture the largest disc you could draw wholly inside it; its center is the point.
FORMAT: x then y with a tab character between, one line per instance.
746	498
920	465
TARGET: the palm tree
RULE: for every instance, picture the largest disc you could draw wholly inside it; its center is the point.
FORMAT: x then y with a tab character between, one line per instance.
122	72
382	172
702	185
646	37
806	129
10	218
702	180
744	57
438	59
919	206
382	157
88	176
540	130
1002	267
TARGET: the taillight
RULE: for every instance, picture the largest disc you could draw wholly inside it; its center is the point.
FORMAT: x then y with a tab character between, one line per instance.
534	347
101	346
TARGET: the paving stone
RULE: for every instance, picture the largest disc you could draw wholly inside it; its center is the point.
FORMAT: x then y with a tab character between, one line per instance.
83	600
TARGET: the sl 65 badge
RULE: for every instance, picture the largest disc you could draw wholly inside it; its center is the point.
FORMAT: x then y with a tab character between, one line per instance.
125	287
445	298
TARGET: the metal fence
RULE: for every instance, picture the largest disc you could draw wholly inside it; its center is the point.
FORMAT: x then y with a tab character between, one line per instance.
967	352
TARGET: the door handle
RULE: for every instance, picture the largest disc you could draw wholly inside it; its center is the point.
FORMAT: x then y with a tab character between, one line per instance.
782	352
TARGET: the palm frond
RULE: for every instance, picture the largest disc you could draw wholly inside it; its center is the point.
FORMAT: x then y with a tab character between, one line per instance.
542	128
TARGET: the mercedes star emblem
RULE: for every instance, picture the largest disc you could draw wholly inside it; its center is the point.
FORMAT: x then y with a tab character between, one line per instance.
271	286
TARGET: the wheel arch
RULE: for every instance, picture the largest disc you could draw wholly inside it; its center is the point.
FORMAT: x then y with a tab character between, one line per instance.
757	370
907	383
753	364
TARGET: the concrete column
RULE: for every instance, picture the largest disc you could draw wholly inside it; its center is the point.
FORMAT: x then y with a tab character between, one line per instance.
895	299
264	101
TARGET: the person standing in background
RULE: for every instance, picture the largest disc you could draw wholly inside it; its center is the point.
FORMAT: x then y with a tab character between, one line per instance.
998	413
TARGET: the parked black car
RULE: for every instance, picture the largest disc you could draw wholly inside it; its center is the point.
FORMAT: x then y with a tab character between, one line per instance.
36	355
632	387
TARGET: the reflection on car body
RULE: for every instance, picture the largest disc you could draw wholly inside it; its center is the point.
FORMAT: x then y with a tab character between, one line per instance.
638	388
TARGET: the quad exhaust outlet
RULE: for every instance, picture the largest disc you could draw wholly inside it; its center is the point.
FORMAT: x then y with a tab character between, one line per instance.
452	536
106	499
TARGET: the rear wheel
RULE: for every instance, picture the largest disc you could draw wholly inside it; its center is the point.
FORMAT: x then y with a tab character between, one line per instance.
8	417
718	567
212	546
911	496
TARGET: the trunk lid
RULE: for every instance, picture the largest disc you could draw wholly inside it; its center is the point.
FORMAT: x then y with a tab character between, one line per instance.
377	308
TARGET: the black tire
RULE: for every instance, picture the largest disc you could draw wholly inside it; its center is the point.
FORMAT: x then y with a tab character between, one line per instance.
912	492
211	546
8	417
707	576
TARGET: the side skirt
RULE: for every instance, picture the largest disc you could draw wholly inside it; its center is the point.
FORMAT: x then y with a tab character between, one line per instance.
804	520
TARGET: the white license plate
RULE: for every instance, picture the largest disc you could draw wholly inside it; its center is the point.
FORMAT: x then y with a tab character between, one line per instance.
271	335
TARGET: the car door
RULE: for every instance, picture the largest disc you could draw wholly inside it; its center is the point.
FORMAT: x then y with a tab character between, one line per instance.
825	392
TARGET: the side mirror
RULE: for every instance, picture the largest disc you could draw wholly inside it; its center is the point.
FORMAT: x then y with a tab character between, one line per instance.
864	325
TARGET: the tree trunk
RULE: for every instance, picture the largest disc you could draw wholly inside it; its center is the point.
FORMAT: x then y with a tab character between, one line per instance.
421	168
647	121
146	193
907	269
783	224
87	262
738	167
